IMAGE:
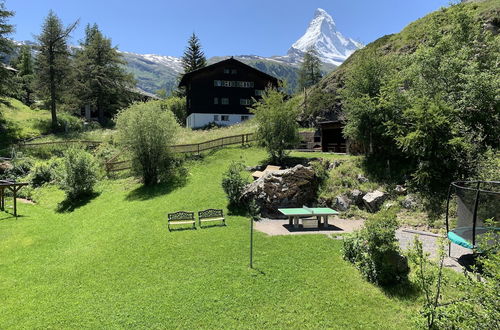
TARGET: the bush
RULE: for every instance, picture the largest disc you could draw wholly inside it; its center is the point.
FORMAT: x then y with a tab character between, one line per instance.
78	174
277	128
375	250
146	130
69	123
233	183
178	107
44	171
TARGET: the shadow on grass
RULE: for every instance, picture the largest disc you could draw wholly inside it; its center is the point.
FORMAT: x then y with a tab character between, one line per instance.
143	192
237	210
287	162
69	205
4	215
407	291
172	229
213	225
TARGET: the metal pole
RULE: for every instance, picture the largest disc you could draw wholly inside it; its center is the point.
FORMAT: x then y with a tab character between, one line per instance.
474	219
251	242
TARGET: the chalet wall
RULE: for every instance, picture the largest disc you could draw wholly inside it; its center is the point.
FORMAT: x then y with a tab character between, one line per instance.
197	120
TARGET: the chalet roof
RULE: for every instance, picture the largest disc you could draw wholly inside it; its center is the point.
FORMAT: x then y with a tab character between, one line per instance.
230	61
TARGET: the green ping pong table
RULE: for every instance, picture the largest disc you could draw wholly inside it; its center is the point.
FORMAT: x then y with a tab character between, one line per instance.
294	214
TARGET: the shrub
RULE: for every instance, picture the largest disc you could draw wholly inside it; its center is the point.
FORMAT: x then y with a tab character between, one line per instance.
69	123
233	183
375	250
178	107
44	171
146	130
78	174
277	128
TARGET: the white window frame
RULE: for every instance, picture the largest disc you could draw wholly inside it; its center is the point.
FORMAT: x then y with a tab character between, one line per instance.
243	118
224	101
216	117
224	117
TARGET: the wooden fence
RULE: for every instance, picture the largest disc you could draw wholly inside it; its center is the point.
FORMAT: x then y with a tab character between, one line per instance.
114	165
39	144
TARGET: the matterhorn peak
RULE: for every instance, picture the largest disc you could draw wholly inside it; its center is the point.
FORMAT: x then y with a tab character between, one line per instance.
331	46
321	12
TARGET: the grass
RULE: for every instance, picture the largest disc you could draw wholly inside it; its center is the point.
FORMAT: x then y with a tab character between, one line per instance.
112	263
20	122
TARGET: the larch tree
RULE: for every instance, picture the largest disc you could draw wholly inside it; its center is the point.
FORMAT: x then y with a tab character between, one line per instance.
53	62
100	79
310	70
5	44
25	75
193	58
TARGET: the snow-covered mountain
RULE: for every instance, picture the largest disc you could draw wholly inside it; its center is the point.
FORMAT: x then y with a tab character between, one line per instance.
331	45
154	72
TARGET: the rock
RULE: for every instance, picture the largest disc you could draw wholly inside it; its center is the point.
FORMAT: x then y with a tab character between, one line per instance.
410	202
400	190
374	200
356	197
292	187
334	164
342	203
5	167
361	178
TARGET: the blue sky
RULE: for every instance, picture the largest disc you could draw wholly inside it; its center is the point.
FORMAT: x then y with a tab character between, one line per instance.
225	27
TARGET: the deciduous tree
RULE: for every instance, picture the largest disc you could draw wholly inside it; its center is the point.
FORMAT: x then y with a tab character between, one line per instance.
277	123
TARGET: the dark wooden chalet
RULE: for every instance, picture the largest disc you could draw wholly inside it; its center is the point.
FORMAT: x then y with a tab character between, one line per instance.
222	92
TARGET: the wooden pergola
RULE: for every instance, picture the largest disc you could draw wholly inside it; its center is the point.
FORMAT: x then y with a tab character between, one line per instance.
12	186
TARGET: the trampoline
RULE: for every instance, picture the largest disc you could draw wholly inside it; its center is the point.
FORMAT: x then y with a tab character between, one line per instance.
477	201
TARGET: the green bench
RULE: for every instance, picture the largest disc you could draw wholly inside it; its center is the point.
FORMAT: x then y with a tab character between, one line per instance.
181	218
211	215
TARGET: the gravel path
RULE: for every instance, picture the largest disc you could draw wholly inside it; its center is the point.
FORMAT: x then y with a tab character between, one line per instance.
337	226
430	245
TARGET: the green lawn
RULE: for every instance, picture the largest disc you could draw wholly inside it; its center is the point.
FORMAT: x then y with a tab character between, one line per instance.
113	263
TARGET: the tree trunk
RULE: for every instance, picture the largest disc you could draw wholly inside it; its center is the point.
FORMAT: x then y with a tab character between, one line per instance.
52	87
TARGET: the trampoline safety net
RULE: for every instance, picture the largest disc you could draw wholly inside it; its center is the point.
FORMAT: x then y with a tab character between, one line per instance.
476	201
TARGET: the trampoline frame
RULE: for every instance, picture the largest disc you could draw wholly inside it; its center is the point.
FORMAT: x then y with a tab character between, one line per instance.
478	190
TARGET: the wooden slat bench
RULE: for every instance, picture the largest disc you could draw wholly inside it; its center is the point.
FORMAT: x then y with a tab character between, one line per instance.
181	218
211	215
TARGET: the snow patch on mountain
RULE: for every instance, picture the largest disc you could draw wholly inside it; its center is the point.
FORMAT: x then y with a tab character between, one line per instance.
331	45
171	62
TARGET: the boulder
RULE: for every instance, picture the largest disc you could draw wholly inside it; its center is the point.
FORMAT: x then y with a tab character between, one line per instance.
356	196
410	202
361	178
400	190
374	200
342	203
292	187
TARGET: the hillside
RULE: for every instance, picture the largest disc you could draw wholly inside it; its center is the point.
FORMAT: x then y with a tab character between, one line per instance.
18	121
413	36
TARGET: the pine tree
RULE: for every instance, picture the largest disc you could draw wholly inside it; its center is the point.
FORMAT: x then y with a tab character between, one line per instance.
100	78
310	70
193	58
25	75
5	45
53	62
